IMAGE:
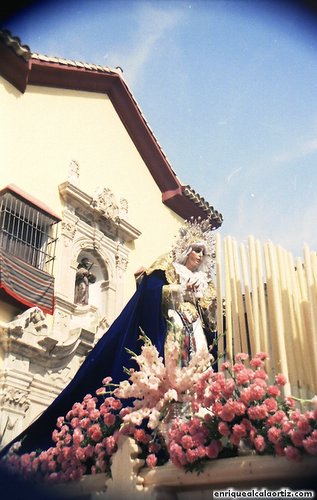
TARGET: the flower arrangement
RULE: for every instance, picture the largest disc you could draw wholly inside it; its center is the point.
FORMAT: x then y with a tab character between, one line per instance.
85	439
156	384
244	414
227	413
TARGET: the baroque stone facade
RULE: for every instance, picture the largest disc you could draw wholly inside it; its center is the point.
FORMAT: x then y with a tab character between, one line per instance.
41	353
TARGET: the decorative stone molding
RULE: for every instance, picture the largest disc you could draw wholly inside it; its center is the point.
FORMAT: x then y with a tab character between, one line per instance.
124	208
122	262
104	201
100	209
15	398
51	353
73	173
68	230
32	321
36	367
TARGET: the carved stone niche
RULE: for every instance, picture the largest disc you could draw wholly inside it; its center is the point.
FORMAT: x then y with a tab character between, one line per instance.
94	228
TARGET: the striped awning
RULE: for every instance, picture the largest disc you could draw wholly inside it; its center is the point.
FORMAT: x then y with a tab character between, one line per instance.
25	283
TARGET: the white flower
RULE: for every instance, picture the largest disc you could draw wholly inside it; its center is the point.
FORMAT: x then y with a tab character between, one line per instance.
154	419
154	385
171	395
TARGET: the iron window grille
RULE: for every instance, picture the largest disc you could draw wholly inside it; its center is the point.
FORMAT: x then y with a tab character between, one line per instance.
27	232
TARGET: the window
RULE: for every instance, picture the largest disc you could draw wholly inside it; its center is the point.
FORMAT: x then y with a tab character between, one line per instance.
27	231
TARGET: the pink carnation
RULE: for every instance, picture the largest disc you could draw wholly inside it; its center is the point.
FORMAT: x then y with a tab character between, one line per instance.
239	430
279	450
274	435
107	380
80	454
256	363
292	453
94	432
192	455
291	402
303	425
201	450
74	422
109	419
151	460
84	423
257	392
279	416
228	388
297	437
60	422
258	412
110	444
141	436
116	404
237	367
245	395
90	405
213	449
101	391
287	426
271	404
262	355
243	377
78	436
261	374
227	412
187	442
224	429
241	356
94	414
280	379
234	439
239	408
273	391
259	443
310	445
55	435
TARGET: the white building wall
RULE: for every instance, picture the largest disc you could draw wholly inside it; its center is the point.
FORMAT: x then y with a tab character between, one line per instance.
44	133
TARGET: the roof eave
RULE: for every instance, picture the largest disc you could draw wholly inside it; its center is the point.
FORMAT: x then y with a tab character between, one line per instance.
13	68
181	201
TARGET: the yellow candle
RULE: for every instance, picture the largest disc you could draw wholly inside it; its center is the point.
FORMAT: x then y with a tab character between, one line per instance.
219	295
254	296
278	318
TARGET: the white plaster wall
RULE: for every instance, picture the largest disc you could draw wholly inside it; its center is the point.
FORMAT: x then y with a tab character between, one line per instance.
44	129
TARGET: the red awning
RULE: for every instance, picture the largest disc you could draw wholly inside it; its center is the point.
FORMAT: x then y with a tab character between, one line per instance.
26	283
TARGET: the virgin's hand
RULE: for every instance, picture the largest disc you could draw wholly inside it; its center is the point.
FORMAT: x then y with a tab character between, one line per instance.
192	286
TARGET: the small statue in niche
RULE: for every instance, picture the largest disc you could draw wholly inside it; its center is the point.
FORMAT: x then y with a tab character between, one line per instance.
83	278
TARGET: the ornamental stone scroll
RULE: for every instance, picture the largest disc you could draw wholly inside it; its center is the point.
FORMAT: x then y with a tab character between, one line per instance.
104	201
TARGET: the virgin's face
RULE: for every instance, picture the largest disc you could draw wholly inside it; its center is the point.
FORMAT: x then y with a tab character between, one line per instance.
194	258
